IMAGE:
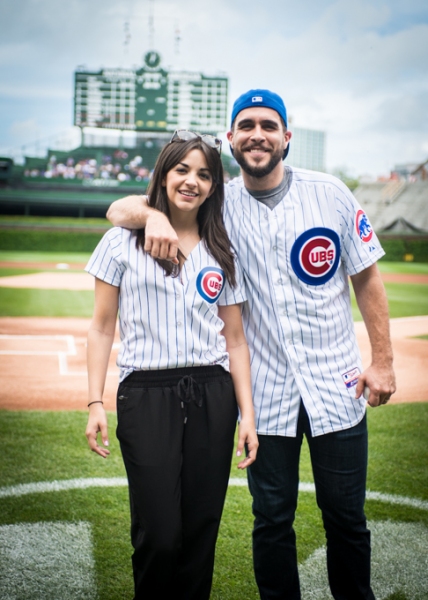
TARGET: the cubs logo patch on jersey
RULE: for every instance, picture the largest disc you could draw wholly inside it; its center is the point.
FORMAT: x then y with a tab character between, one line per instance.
363	226
315	255
209	283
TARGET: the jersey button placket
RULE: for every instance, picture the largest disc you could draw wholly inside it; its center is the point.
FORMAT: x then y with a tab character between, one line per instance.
283	292
277	259
180	295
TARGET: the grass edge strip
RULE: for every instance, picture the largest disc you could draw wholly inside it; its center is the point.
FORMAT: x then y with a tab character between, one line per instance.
72	484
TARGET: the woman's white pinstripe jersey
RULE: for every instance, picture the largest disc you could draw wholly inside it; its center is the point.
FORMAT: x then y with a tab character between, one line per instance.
296	260
165	322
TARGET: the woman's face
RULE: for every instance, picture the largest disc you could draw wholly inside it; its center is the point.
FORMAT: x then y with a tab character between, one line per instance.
189	183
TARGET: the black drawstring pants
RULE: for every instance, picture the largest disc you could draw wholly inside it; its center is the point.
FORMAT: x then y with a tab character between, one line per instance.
176	431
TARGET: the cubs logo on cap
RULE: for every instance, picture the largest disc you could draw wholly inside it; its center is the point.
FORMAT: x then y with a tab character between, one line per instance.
209	283
315	255
363	226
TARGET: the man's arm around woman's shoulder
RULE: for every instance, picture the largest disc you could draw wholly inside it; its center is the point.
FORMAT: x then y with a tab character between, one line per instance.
133	212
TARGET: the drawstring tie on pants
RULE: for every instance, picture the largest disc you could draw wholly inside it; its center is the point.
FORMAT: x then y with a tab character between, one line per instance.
188	391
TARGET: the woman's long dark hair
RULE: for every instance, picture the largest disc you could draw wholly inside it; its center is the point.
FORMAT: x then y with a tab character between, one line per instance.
210	214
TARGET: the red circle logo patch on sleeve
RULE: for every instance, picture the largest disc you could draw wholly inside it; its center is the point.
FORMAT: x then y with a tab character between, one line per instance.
363	226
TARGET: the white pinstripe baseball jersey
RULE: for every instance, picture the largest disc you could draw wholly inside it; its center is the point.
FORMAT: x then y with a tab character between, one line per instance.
296	260
165	322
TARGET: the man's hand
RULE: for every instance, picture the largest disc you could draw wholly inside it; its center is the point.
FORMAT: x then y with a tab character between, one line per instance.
133	212
379	378
380	383
161	241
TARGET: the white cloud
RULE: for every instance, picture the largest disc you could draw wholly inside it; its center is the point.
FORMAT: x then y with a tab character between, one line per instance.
347	68
404	112
31	90
24	130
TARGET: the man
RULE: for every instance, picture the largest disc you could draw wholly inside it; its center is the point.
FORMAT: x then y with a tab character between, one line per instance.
298	236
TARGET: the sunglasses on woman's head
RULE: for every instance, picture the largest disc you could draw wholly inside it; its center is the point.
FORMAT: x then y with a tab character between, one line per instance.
185	136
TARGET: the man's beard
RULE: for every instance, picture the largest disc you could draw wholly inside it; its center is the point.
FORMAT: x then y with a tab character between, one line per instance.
256	171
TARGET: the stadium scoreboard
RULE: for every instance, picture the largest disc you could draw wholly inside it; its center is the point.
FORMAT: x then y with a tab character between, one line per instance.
150	99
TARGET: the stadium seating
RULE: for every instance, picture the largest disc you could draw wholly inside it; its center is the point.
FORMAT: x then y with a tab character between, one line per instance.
398	208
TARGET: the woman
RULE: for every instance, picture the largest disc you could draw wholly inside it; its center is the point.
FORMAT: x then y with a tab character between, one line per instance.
184	368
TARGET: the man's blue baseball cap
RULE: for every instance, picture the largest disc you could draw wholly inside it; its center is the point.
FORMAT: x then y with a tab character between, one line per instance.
254	98
265	98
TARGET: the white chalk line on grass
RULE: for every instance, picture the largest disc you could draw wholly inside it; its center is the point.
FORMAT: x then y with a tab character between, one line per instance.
63	485
23	489
399	552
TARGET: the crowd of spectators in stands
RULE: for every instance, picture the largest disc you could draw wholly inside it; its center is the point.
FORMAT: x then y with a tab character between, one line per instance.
111	168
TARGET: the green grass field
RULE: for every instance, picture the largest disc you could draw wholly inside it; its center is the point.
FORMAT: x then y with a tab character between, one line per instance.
48	257
16	302
42	447
404	300
37	446
26	302
9	220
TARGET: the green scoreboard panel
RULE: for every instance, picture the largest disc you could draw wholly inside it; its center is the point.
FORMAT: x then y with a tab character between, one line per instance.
150	99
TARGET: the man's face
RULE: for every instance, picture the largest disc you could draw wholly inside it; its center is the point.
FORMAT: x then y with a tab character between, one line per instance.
258	140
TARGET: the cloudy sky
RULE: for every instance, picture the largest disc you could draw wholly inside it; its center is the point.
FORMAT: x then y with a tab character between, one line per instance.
356	69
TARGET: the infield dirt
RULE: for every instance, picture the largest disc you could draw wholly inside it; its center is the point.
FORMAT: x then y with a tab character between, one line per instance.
43	364
49	372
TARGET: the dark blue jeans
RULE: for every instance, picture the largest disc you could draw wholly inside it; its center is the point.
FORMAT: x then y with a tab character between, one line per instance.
339	464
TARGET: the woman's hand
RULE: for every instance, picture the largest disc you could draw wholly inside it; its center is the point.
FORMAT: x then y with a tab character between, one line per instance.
100	341
239	359
247	435
97	423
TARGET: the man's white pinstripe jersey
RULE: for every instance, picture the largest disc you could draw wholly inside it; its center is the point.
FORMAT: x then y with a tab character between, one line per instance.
165	322
296	260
